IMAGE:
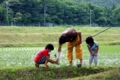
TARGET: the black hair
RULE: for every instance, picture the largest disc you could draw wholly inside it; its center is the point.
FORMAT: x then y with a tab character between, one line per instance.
49	46
62	39
89	40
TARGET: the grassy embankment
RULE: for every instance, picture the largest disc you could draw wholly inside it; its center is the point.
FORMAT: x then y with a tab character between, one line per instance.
40	36
62	73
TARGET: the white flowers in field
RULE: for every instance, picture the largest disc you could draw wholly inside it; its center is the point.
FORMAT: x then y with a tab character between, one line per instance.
24	57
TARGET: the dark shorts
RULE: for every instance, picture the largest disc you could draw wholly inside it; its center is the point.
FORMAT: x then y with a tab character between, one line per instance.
42	60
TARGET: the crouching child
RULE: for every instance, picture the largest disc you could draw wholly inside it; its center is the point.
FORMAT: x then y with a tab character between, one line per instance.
43	56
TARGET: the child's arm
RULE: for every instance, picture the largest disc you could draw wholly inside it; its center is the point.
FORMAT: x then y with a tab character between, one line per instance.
90	51
96	51
51	61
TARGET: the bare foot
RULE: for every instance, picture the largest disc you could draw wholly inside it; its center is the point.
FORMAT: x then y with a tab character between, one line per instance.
37	65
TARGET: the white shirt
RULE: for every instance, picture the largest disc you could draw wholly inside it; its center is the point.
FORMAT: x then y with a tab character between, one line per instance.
94	47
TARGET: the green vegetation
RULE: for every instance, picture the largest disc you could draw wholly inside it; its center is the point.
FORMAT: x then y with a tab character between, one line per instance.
59	12
39	36
62	73
107	3
20	44
23	56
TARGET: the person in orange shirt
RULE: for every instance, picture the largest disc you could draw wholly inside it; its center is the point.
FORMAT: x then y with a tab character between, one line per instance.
73	39
43	56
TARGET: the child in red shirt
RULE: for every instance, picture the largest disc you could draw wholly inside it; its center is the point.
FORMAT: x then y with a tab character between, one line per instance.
43	56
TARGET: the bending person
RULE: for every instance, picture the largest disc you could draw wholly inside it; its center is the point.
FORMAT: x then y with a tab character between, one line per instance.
73	39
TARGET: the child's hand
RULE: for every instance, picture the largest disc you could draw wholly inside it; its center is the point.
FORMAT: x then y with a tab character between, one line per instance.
92	54
46	66
95	54
55	56
56	62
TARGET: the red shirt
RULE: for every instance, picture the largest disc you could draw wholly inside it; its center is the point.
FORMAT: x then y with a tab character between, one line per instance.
40	54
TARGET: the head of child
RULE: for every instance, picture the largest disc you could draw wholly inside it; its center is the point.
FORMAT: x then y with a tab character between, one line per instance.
49	47
90	40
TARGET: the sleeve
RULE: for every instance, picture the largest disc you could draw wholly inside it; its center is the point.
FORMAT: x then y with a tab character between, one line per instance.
96	44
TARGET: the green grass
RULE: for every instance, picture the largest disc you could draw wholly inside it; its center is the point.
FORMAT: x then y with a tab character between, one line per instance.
111	74
40	36
20	44
62	73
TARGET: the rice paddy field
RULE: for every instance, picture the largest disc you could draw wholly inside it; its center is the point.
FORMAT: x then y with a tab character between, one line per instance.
19	45
108	56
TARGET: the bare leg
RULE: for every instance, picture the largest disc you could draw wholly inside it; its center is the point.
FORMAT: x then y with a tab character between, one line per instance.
90	64
46	64
79	65
70	63
37	65
95	65
81	61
